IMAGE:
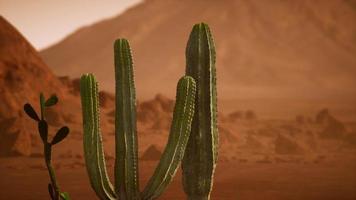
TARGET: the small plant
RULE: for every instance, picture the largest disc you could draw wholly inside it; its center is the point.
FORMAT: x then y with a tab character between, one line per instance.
53	187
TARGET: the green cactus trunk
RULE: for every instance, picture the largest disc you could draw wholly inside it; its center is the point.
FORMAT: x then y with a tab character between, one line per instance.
126	167
177	141
201	153
126	163
92	141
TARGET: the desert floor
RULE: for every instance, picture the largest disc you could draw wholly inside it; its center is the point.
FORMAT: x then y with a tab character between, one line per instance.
330	178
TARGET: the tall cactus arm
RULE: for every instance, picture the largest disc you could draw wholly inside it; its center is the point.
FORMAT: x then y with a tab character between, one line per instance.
126	163
177	141
93	148
201	153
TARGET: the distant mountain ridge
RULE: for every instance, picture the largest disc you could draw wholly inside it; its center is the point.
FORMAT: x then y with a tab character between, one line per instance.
272	49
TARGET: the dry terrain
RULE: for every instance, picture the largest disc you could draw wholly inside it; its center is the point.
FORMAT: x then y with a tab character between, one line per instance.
332	178
286	76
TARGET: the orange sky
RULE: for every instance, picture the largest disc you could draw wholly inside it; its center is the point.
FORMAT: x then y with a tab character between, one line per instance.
44	22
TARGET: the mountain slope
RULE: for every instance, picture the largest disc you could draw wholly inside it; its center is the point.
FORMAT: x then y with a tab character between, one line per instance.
280	49
23	75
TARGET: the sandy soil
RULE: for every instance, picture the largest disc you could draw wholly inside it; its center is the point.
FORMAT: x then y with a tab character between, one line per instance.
331	179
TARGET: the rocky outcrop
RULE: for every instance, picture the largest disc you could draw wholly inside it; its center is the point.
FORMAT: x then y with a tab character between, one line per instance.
156	112
287	145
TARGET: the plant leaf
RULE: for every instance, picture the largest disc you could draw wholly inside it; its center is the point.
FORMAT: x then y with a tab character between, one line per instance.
61	134
43	129
31	112
53	100
64	196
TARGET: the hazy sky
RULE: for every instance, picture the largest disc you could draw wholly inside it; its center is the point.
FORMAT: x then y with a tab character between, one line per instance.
44	22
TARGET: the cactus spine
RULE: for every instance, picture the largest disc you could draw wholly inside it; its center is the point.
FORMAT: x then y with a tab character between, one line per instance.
201	152
126	167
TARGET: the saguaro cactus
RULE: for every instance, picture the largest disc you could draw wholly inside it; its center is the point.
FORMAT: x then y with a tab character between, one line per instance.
201	152
126	164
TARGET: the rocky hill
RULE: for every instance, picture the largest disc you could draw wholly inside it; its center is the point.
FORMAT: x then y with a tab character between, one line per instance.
23	75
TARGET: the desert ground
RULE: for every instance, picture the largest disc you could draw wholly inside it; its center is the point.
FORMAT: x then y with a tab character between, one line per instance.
328	178
258	159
